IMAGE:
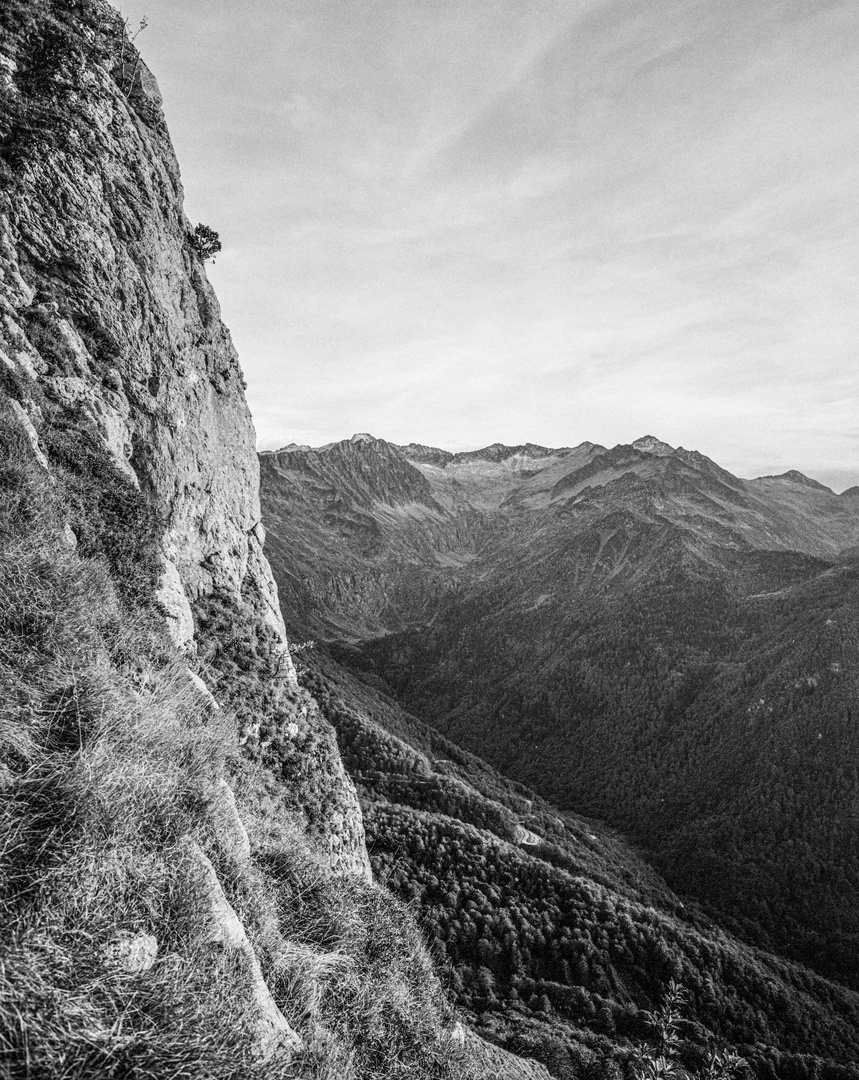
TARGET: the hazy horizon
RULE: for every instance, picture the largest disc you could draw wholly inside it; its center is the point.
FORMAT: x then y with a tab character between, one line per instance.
460	224
275	447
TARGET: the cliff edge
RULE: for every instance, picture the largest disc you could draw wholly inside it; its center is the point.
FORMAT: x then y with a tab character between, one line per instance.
185	886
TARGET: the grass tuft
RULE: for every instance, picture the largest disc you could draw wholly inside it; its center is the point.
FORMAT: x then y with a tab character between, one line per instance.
110	761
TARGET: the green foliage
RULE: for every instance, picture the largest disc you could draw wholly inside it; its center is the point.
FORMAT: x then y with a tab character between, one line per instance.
54	44
665	1062
129	57
40	321
280	727
53	62
239	652
49	51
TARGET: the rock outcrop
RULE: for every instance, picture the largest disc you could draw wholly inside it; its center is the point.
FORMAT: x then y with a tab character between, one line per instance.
106	307
222	927
111	333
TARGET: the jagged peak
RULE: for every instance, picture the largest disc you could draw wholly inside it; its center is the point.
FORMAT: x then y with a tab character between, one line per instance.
498	452
361	438
794	476
426	455
649	444
290	448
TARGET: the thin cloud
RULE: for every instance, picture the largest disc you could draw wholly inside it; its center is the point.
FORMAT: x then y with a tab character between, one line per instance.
466	222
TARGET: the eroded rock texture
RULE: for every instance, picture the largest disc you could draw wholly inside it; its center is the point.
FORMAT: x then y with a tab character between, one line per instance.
113	356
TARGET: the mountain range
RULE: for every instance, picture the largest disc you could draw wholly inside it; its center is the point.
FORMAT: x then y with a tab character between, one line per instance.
229	852
634	632
363	511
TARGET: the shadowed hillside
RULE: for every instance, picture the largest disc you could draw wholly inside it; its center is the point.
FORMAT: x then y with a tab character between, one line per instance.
553	933
638	635
185	889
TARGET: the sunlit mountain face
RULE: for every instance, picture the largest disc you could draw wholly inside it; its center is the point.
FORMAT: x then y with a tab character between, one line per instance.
634	632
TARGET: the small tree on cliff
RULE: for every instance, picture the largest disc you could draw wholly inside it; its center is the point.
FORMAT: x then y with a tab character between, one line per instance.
205	242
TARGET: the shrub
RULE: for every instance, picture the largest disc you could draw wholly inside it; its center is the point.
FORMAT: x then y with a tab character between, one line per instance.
664	1062
204	242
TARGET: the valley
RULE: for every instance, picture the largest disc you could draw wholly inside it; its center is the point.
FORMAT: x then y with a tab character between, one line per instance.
369	761
634	633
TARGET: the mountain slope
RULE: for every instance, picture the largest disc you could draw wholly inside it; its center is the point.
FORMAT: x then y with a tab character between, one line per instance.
185	889
641	636
373	537
555	934
384	530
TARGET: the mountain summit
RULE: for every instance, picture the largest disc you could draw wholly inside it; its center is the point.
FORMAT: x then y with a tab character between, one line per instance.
633	631
649	444
383	525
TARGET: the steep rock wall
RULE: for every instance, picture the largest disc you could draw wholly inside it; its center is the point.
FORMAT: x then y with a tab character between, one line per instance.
109	329
95	256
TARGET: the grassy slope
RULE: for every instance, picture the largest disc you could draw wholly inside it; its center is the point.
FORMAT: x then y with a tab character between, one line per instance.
110	761
113	762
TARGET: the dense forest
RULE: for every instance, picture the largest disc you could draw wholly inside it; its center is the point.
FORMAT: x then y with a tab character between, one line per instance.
717	731
551	933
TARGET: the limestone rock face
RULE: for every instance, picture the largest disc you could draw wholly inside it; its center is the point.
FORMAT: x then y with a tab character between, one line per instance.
225	817
223	927
500	1064
110	330
106	305
344	831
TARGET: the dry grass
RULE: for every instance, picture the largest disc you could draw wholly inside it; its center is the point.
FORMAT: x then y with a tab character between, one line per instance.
109	757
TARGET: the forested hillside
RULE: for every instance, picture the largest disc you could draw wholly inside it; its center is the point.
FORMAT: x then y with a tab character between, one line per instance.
635	633
553	934
718	731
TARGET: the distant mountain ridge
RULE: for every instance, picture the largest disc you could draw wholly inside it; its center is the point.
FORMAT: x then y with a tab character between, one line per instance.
634	632
419	516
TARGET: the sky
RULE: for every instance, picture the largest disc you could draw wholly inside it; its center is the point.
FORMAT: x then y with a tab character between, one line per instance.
458	222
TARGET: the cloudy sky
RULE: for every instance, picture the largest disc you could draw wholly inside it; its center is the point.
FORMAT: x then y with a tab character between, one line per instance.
466	221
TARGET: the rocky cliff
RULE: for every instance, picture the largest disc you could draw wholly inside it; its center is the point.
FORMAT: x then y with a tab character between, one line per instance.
107	310
112	331
185	885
